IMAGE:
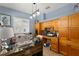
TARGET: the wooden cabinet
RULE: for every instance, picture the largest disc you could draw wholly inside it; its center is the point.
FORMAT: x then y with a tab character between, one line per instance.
68	28
43	25
74	20
51	23
55	24
73	49
63	48
54	40
38	28
63	21
54	44
63	31
74	34
54	47
69	35
63	37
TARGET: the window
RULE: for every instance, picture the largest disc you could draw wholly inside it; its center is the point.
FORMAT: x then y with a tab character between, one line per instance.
20	25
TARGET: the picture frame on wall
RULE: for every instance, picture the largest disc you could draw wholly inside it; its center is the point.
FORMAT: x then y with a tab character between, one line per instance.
5	19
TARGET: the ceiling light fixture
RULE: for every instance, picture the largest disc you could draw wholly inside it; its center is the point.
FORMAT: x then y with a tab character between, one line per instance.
34	15
30	17
38	13
35	11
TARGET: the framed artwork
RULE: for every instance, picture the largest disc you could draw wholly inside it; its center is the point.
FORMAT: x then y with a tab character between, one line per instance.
5	19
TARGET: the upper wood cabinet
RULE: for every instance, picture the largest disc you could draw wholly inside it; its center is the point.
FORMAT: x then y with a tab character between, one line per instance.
63	21
38	27
55	24
44	25
74	20
63	31
51	23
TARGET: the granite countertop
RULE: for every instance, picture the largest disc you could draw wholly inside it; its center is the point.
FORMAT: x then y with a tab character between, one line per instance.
16	50
20	47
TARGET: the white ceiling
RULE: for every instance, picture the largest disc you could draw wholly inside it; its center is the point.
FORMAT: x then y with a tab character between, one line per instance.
27	7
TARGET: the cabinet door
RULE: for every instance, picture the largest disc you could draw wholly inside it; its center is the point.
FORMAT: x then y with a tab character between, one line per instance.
74	20
63	31
63	21
38	28
73	49
55	24
63	48
43	25
54	44
54	47
74	34
54	40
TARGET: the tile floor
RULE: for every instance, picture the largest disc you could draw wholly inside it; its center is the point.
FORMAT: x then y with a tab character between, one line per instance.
48	52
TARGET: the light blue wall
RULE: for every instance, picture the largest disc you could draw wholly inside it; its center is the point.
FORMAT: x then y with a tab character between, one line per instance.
32	26
12	12
63	11
66	10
